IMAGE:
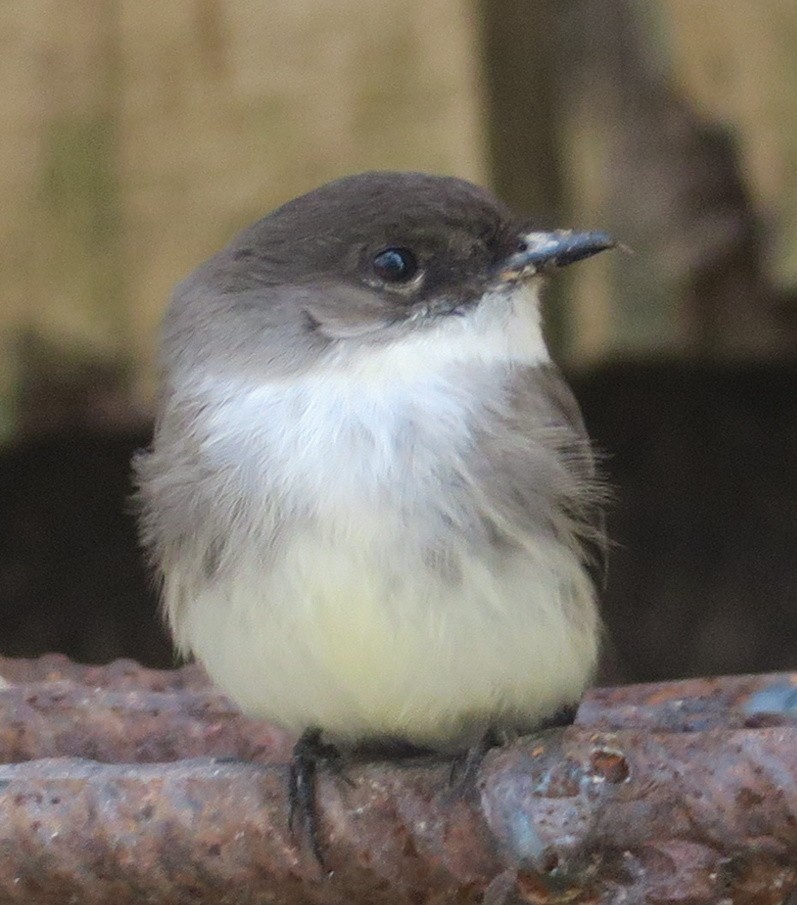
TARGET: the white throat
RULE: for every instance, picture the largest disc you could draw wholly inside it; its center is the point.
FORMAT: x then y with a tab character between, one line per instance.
345	425
503	329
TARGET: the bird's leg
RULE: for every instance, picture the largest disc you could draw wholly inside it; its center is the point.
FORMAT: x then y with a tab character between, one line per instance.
564	716
308	753
465	767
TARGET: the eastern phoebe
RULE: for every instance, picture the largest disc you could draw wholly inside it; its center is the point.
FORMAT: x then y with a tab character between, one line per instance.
370	488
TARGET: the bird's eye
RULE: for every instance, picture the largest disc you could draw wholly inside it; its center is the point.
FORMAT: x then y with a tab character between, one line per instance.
395	265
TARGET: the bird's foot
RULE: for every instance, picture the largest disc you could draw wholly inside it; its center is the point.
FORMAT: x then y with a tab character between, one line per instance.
465	767
309	753
564	716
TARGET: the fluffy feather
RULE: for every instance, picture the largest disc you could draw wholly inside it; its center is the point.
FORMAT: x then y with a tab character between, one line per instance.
388	545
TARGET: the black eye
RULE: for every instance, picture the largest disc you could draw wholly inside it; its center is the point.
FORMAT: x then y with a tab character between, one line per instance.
395	265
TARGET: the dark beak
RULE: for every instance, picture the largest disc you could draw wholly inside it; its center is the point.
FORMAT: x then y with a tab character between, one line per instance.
542	252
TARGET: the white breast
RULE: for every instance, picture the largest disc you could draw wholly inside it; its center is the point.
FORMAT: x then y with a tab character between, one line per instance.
354	629
355	425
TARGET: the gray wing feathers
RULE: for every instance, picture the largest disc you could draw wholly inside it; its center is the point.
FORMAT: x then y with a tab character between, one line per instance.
537	464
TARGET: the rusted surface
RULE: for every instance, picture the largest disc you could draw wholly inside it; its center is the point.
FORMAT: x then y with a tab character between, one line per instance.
672	793
707	816
724	702
119	675
199	831
124	713
64	719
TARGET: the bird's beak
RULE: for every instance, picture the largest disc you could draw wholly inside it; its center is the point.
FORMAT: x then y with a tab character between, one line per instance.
542	252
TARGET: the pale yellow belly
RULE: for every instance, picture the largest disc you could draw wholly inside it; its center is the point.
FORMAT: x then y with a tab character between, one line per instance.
333	639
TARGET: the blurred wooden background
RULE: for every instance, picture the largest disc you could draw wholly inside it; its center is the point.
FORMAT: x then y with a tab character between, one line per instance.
139	135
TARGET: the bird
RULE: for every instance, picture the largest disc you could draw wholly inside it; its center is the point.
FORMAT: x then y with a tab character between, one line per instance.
370	496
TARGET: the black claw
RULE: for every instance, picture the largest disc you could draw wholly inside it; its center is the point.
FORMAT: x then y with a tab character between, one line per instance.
563	717
308	753
465	767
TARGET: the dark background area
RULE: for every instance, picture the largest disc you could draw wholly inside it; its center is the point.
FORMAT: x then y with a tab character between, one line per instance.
701	576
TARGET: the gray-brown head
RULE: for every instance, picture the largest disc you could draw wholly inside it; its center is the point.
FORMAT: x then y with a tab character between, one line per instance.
365	259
